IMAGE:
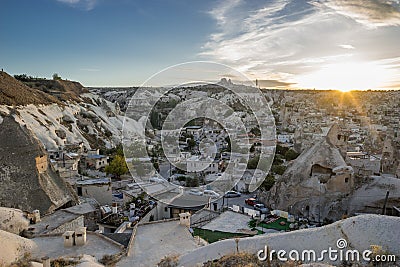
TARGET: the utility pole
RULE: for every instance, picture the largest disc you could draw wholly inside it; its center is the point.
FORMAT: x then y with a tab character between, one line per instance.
384	204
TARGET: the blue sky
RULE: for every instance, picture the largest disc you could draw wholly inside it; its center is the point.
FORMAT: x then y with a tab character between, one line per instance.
338	44
105	43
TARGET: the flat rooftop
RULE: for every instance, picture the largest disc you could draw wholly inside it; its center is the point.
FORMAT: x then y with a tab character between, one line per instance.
155	240
229	221
81	209
96	245
96	156
53	221
93	181
188	200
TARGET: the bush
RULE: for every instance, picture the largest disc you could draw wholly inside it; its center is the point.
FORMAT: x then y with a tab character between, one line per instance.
291	154
108	260
278	169
56	77
252	163
192	182
268	183
281	149
256	131
169	261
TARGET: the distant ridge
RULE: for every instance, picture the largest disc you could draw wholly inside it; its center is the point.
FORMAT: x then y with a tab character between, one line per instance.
14	92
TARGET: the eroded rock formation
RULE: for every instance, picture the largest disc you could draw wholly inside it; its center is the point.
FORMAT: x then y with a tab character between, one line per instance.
27	181
314	184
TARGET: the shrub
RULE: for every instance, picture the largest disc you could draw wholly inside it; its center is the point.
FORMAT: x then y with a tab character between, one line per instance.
169	261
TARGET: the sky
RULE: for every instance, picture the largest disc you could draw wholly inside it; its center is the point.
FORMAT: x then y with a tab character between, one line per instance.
322	44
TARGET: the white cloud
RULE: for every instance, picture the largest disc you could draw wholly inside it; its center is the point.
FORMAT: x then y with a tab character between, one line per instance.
90	69
346	46
71	2
84	4
371	13
285	39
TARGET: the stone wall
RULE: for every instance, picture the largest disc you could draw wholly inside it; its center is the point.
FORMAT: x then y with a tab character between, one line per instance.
69	226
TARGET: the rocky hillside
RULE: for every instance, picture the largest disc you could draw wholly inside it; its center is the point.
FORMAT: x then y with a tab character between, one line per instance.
15	93
34	91
27	180
14	248
61	89
60	112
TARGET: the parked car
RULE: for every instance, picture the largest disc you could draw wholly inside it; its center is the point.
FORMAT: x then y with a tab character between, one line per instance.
211	193
250	201
232	194
195	192
261	208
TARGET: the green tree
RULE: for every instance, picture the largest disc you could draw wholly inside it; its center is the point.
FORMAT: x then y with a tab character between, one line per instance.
278	169
281	149
192	182
191	143
256	131
56	77
117	166
278	159
155	119
156	166
252	163
181	178
228	140
268	183
291	154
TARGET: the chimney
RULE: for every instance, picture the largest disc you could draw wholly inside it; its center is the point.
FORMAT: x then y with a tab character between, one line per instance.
36	216
80	236
114	208
46	261
184	219
69	238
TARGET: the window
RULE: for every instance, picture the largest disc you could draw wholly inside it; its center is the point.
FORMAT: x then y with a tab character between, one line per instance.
67	237
79	235
79	191
166	209
346	180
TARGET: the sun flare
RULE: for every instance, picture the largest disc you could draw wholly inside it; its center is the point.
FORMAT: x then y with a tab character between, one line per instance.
346	77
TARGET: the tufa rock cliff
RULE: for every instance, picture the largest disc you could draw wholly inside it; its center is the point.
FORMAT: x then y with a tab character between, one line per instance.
315	182
27	181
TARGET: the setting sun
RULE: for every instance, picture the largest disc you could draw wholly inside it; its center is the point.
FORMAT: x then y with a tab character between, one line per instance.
346	77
